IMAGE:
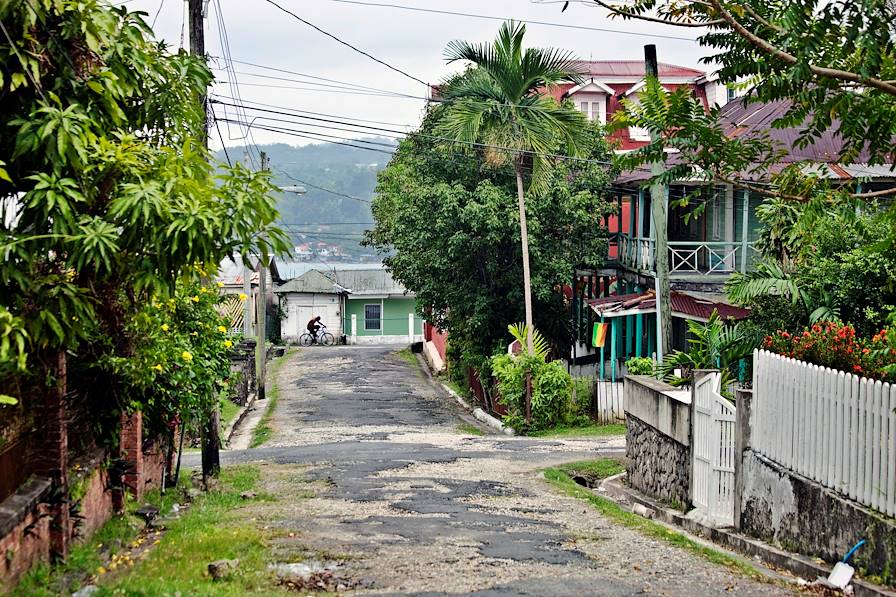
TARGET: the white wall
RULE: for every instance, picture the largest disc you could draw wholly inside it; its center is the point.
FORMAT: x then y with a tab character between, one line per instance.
300	307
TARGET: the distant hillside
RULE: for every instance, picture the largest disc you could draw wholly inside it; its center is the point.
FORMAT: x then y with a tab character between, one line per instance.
319	216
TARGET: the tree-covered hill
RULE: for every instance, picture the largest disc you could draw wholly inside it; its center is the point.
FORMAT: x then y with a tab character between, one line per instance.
322	216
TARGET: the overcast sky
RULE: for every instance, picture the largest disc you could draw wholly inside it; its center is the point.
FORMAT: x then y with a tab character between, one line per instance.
412	41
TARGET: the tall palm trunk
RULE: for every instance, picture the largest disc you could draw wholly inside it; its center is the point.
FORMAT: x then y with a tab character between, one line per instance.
524	239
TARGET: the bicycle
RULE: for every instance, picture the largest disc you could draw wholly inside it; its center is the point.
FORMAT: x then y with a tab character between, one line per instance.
324	338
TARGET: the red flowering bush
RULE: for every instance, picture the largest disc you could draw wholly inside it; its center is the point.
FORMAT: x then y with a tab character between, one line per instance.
835	345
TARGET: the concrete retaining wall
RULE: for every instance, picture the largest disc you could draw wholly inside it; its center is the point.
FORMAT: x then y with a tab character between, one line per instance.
658	423
793	512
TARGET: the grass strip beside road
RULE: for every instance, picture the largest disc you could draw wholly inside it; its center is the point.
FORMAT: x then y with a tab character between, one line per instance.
560	477
587	431
263	431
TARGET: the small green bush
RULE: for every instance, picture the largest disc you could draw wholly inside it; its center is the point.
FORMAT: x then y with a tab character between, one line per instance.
640	366
551	391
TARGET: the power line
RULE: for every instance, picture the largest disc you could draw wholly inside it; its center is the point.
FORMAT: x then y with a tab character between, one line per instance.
529	21
392	133
319	188
301	74
345	43
318	113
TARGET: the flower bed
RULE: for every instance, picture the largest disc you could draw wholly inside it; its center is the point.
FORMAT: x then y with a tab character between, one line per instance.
835	345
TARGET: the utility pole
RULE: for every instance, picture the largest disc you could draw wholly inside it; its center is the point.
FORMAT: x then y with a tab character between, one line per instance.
211	442
261	306
658	197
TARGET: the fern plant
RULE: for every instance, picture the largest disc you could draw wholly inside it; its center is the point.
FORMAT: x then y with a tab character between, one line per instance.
540	346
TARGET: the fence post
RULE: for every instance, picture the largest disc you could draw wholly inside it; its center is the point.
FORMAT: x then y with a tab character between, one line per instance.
411	328
354	328
742	443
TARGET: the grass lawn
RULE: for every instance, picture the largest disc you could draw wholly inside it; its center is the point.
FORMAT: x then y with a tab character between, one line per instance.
263	431
561	478
587	431
211	528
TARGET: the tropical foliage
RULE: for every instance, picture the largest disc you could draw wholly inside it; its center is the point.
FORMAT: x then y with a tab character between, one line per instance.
640	366
108	197
836	345
501	106
715	344
447	227
551	396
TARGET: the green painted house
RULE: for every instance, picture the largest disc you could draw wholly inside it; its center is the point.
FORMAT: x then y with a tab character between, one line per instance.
363	305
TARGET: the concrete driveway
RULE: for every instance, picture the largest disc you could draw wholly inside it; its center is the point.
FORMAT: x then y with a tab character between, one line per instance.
415	506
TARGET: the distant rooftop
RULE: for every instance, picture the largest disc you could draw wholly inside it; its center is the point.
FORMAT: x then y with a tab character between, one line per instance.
635	68
359	280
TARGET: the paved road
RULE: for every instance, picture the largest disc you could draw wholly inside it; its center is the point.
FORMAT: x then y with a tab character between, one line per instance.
417	507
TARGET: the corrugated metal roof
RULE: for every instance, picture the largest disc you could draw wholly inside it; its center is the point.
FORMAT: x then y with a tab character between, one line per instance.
683	305
743	120
370	281
635	68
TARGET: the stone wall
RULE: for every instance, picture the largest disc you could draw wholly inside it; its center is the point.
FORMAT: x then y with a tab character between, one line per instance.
782	507
657	465
658	423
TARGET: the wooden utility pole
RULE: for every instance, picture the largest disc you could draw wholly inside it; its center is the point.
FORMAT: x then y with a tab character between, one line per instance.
211	441
658	198
261	306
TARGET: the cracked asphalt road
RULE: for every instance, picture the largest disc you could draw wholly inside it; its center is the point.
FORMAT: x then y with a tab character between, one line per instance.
414	506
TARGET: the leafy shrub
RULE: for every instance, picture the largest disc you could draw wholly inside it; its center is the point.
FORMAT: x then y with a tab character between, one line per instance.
639	366
551	390
835	345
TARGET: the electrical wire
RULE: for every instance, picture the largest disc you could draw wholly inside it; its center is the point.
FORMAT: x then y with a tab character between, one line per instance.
528	21
345	43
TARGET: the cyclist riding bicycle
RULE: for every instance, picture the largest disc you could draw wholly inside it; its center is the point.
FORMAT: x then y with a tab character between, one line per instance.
313	327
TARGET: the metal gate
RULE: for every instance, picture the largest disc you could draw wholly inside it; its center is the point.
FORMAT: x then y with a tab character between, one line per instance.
713	452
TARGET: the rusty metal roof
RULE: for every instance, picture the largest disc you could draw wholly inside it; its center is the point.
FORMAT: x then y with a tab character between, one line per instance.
683	305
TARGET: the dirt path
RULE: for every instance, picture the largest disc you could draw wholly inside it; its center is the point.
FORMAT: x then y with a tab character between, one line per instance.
409	505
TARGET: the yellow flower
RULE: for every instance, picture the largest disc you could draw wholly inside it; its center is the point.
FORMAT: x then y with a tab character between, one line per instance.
164	327
194	333
186	356
157	367
203	290
243	296
195	298
227	343
222	329
100	570
220	284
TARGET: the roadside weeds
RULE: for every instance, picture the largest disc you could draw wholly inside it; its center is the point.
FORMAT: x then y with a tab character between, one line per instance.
264	430
561	477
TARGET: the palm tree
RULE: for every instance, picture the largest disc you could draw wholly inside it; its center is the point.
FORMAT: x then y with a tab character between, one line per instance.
501	106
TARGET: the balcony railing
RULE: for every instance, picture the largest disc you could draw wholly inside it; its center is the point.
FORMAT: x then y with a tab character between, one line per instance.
706	258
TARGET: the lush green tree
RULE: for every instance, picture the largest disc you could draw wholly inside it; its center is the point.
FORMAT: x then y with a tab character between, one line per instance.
447	225
502	105
834	63
107	195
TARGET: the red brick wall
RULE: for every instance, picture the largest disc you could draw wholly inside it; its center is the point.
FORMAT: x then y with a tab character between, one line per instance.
34	540
25	545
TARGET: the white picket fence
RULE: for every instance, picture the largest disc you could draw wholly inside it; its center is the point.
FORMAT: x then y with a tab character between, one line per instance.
713	451
610	404
836	428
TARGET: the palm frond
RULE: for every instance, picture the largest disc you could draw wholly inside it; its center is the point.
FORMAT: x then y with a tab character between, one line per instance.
769	278
520	332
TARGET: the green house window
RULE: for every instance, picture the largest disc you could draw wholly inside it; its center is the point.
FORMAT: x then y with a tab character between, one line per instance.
372	317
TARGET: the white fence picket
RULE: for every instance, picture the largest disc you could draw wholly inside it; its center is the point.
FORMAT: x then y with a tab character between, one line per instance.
834	427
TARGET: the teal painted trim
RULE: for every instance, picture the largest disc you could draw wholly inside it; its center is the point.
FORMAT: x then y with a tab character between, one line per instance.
745	232
602	352
629	320
639	231
613	349
639	333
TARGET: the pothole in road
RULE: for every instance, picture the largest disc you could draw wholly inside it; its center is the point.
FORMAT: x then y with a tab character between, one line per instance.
315	575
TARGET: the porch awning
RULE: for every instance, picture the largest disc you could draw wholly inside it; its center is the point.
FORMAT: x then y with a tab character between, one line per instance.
684	305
